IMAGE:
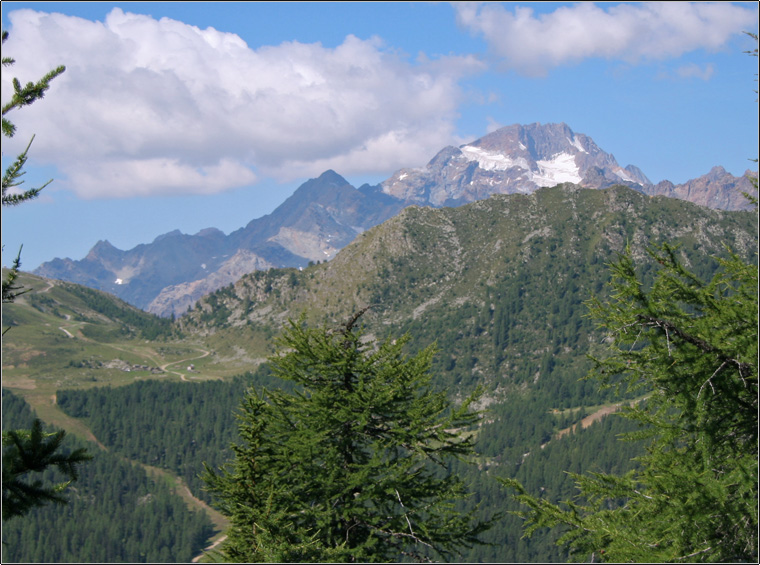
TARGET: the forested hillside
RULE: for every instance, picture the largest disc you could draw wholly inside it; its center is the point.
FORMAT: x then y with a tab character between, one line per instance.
115	513
178	426
499	284
170	425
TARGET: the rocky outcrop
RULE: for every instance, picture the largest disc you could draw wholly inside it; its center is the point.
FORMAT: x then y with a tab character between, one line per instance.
717	189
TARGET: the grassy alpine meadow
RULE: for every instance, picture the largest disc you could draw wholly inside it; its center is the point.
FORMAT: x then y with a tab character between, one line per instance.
55	339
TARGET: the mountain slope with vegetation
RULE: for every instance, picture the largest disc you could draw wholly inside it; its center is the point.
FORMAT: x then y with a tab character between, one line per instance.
499	283
115	513
57	325
500	286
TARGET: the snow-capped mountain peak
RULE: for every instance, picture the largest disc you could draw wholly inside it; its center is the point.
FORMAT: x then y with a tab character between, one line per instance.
511	159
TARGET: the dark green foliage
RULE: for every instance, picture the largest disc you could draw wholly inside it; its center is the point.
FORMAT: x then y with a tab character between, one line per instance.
693	344
149	326
543	471
115	513
343	469
506	306
217	314
33	451
170	425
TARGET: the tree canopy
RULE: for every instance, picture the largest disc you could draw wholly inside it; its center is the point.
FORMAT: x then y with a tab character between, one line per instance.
33	451
352	465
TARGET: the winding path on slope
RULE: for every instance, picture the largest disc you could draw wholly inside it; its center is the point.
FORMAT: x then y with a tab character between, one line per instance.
182	376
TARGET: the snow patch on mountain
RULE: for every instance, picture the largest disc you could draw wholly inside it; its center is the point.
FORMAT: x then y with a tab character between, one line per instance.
493	161
560	168
622	175
575	142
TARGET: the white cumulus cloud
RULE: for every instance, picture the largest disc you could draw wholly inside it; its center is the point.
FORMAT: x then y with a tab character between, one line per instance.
152	106
533	43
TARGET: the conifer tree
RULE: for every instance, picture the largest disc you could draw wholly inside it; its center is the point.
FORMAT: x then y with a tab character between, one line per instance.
22	96
693	346
28	451
352	466
34	451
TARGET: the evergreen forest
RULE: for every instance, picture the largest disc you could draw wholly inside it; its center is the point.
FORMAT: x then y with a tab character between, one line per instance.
116	512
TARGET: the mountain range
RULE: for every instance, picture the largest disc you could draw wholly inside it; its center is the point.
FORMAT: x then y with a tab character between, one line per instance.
325	214
548	248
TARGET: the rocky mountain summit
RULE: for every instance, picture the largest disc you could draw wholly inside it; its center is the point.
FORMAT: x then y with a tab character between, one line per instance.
513	159
325	214
718	189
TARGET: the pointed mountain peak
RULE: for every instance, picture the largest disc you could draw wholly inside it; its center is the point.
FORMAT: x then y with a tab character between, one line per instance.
716	173
102	245
102	249
330	176
324	185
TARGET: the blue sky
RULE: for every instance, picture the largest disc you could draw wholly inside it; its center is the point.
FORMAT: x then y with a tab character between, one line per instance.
188	115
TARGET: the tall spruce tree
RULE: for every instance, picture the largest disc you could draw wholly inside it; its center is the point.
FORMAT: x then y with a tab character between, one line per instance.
28	451
352	466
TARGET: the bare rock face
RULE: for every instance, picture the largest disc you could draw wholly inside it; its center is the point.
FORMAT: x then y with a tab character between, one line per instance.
717	189
513	159
176	299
